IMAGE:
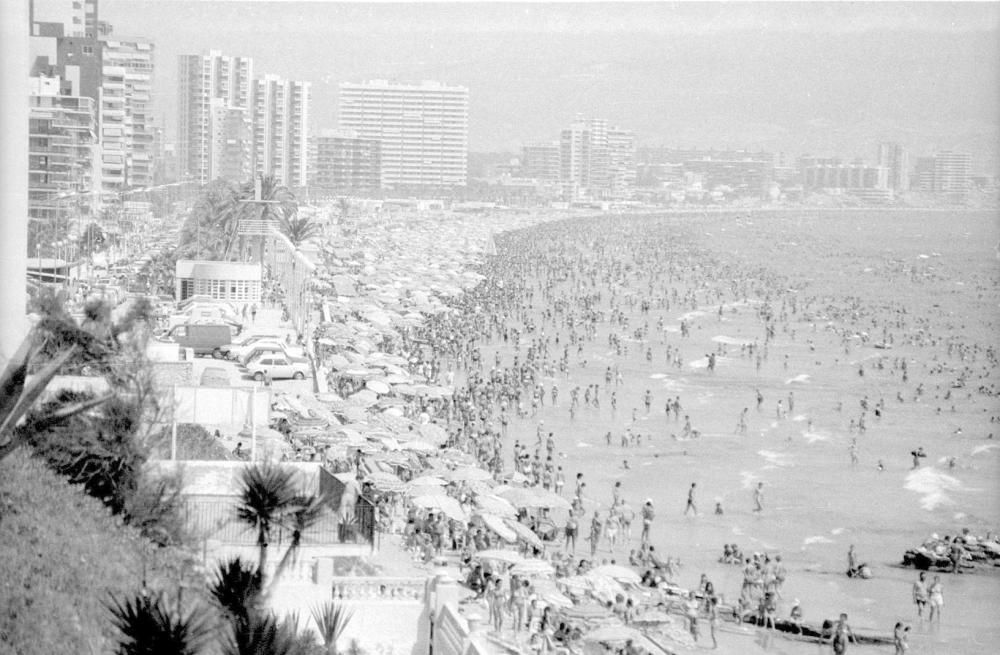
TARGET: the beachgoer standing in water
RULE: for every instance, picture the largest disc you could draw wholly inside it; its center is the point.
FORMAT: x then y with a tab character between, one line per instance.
690	501
758	497
936	598
647	521
920	594
840	635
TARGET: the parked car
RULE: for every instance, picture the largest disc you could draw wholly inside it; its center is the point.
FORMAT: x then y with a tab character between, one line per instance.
204	339
278	367
260	347
244	343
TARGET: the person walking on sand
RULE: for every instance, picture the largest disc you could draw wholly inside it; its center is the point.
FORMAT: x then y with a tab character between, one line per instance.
690	501
758	497
920	594
595	533
936	599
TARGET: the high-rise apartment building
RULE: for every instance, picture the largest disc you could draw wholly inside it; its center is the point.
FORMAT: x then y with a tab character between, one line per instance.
125	114
78	17
621	163
343	163
423	129
945	173
853	176
540	161
280	119
952	173
62	150
894	157
597	161
229	141
201	80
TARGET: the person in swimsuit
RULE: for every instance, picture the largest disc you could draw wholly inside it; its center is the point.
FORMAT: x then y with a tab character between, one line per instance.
920	594
841	635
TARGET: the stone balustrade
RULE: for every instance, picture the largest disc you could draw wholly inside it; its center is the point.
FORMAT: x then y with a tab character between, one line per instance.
365	588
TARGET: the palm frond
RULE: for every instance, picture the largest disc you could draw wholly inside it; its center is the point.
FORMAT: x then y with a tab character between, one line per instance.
260	634
237	589
148	627
331	620
267	493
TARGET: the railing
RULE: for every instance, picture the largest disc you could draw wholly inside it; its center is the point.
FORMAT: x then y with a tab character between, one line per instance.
451	633
216	520
358	588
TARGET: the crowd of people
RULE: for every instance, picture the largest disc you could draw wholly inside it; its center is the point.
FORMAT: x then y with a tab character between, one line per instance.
554	329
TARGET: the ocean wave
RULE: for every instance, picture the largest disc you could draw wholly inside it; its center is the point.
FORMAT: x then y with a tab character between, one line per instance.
778	459
932	485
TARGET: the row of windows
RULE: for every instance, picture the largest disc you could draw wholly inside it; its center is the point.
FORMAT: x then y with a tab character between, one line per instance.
247	290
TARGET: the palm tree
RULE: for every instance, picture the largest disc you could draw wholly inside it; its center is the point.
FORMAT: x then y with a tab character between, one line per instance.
331	620
148	627
18	394
267	495
304	514
298	228
238	589
275	202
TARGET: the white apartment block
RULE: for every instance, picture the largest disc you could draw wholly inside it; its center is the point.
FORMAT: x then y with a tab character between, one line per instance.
125	121
597	161
423	129
280	118
202	79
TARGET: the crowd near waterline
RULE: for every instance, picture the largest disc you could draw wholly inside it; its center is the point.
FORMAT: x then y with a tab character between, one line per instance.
695	411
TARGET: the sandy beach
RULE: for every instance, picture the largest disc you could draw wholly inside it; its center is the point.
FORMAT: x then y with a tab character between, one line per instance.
928	279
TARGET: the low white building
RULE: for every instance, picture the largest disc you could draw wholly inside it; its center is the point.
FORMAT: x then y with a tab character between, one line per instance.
233	281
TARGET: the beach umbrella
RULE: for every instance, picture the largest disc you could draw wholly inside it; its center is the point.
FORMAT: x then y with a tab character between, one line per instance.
467	473
616	572
433	433
514	478
549	594
424	490
496	524
337	362
430	480
525	534
533	567
534	497
385	481
652	617
377	386
446	504
576	584
497	555
495	505
396	378
363	398
418	446
405	389
613	634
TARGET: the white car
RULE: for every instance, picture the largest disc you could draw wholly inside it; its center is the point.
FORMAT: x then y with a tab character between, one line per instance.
278	367
247	354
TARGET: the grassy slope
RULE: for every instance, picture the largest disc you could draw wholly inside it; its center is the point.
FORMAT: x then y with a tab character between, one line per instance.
61	554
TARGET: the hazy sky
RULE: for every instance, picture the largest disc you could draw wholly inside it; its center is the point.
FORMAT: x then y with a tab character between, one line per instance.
826	78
